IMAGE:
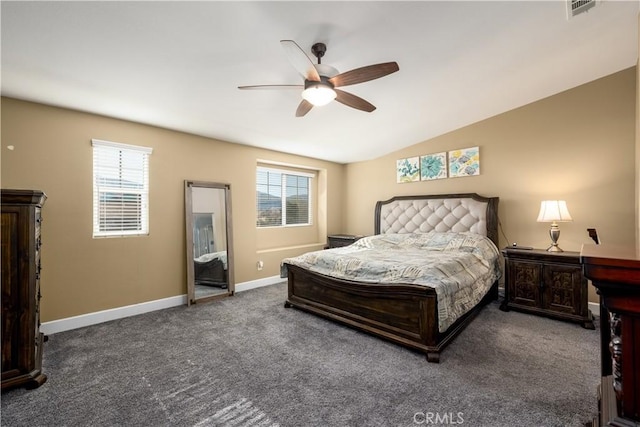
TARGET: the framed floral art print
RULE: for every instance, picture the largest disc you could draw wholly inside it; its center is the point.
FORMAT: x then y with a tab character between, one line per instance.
464	162
433	166
408	170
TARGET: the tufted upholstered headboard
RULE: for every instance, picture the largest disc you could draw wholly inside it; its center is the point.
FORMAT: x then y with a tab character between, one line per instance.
443	212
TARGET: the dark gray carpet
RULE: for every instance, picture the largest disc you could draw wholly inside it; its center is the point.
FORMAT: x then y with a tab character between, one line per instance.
248	361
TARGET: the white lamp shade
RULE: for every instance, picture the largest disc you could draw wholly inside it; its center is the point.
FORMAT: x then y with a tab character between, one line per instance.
554	211
319	95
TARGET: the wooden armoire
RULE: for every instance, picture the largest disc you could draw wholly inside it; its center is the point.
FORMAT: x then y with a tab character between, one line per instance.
22	340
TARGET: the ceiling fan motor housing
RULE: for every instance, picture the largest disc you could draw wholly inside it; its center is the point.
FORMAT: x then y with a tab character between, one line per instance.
326	70
324	81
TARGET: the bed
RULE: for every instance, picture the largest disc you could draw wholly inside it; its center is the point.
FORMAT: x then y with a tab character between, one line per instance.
406	308
211	269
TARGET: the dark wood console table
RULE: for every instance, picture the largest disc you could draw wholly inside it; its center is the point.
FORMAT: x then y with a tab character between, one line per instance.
615	272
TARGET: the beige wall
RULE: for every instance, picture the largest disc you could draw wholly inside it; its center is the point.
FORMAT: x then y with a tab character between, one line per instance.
83	275
578	145
638	142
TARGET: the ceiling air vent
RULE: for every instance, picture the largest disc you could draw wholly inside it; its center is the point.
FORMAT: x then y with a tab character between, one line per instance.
575	7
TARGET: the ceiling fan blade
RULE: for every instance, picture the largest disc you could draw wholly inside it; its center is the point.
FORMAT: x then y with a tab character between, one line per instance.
353	101
364	74
300	60
271	87
304	107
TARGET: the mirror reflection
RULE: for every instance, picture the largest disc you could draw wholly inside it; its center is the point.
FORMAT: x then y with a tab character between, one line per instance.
208	228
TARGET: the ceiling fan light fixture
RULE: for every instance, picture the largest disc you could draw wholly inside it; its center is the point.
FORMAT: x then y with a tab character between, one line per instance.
319	94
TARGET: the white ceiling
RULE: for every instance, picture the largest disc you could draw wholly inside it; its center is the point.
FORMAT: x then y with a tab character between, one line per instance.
178	64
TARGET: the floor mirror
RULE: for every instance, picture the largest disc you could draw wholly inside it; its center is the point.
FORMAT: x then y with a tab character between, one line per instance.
209	241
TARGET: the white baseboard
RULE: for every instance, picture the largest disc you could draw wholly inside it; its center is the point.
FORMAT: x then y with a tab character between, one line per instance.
245	286
594	308
75	322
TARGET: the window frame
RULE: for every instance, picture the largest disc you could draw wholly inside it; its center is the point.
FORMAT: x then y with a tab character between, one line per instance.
99	206
310	175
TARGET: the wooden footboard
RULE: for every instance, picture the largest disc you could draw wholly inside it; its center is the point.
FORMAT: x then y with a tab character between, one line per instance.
404	314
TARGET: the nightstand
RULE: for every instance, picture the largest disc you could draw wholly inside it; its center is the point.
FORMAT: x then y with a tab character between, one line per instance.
546	283
339	240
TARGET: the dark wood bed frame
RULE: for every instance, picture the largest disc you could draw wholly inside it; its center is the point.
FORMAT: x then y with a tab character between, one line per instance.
403	313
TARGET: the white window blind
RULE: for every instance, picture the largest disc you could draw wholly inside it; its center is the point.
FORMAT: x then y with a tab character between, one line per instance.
120	189
283	197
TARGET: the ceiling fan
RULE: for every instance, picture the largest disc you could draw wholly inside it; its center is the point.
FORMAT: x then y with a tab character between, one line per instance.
321	81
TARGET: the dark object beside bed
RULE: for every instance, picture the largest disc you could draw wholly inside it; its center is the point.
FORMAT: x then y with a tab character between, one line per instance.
210	273
405	314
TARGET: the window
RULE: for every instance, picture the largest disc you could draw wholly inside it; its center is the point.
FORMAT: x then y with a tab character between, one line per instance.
283	197
120	189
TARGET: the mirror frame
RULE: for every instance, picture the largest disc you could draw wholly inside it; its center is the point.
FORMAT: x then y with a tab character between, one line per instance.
188	205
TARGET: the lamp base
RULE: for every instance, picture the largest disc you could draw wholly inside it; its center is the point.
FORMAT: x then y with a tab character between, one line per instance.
554	233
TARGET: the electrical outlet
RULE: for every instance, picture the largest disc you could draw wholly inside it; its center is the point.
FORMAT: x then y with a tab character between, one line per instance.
260	265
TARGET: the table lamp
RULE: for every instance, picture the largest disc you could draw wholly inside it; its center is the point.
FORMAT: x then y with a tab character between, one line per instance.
554	211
